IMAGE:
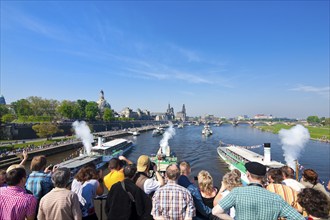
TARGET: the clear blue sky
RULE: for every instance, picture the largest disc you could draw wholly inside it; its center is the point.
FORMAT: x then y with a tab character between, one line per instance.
225	58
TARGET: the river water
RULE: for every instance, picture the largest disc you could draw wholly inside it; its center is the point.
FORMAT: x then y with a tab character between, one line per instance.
189	144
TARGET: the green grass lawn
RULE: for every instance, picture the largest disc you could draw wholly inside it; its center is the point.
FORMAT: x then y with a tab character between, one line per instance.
315	132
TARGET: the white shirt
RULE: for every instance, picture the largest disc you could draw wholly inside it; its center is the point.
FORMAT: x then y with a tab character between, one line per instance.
294	184
150	185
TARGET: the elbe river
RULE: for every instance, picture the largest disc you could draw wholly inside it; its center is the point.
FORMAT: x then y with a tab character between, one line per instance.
201	152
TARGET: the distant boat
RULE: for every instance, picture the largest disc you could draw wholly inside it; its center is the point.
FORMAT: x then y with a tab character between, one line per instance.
100	154
134	133
158	131
236	157
163	158
181	125
207	130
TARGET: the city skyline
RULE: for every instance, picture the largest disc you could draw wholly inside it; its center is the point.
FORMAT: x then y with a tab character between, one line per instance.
218	58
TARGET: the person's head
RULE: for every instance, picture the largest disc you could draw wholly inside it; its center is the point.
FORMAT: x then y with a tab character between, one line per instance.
314	202
237	172
232	179
205	182
287	172
185	168
130	171
2	177
255	171
114	164
274	175
13	166
16	177
173	172
86	173
38	163
310	176
61	177
143	163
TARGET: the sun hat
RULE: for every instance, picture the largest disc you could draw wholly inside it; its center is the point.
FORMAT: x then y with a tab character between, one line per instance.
142	163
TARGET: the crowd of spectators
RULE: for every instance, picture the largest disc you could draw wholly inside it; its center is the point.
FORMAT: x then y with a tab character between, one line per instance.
33	147
133	193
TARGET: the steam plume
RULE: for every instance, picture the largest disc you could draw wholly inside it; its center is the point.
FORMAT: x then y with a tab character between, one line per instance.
169	133
83	132
293	142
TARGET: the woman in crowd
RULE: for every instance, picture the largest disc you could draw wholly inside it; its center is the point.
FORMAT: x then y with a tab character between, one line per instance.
315	203
229	181
87	184
205	184
310	179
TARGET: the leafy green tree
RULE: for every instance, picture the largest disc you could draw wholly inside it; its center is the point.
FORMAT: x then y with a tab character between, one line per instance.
107	114
3	111
91	110
77	113
82	105
7	118
66	108
22	107
313	119
43	107
46	130
327	122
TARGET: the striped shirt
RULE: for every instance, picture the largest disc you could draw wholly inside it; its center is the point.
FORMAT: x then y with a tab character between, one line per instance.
39	183
286	192
257	203
172	201
16	204
60	203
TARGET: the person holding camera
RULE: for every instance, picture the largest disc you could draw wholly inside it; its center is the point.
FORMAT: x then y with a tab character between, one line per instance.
116	168
148	184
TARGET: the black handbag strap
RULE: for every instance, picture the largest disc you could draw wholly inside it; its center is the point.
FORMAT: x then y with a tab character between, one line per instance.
129	194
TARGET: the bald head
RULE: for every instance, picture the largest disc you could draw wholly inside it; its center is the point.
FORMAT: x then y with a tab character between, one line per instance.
173	172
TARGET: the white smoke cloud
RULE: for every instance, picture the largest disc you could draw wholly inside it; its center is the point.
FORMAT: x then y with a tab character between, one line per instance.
293	142
169	133
83	132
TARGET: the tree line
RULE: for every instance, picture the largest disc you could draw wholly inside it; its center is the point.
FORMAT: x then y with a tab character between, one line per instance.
37	109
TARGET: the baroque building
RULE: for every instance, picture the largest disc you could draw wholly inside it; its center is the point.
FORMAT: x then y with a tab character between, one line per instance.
181	116
102	103
169	115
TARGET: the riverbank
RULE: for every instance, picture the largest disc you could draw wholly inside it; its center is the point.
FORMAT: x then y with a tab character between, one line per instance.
316	133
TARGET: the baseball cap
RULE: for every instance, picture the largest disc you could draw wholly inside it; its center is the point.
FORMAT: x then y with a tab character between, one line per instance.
142	163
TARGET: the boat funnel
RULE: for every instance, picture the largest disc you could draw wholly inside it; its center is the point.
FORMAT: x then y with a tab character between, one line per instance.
267	154
99	141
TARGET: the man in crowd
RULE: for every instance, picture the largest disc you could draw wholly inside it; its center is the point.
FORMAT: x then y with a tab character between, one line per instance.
126	200
39	181
147	184
116	173
60	203
275	179
172	201
202	210
15	203
254	201
288	179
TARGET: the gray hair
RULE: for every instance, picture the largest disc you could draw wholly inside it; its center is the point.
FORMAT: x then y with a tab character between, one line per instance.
61	177
172	172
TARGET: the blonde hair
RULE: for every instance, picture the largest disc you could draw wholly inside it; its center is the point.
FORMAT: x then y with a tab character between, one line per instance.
205	182
184	168
232	180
